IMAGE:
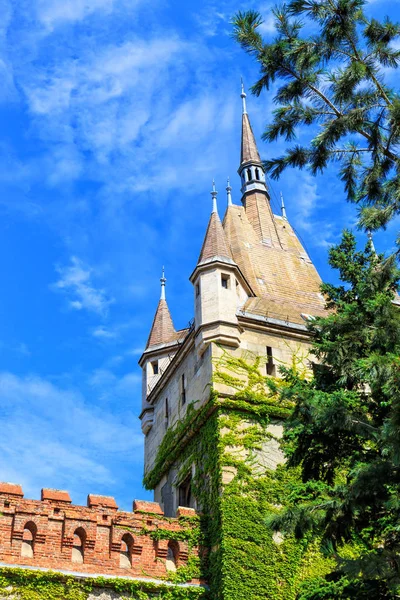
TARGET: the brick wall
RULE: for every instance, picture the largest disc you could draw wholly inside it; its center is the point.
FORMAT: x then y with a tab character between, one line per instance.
105	537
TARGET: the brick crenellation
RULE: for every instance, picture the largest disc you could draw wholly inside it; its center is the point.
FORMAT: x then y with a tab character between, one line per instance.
53	533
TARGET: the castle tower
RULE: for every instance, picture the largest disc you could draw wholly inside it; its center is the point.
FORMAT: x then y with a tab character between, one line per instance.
211	432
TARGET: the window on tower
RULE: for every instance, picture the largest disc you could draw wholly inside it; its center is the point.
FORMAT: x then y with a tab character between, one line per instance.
225	281
185	492
197	290
166	413
258	174
271	370
183	389
154	366
249	176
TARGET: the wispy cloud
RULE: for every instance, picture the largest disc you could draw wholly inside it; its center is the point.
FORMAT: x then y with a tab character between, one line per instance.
76	282
60	439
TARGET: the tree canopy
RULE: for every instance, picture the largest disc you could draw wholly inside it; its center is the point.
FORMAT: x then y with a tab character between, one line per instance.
329	59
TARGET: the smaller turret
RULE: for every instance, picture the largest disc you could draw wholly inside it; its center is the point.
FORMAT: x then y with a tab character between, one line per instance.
161	347
218	286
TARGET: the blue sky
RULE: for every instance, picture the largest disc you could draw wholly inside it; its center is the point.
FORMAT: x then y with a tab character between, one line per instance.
116	115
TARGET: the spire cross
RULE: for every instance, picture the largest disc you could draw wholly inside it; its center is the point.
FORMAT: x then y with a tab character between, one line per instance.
214	194
163	281
243	97
283	209
228	191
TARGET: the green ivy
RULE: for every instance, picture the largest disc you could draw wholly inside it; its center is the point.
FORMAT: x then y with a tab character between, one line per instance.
33	585
226	434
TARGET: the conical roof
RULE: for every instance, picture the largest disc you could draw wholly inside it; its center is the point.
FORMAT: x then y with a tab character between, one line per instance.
215	244
162	330
249	150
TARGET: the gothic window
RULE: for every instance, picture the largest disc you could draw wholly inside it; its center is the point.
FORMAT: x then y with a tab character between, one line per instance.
172	553
28	540
79	546
183	389
125	555
225	281
257	174
270	362
154	366
249	176
197	290
185	492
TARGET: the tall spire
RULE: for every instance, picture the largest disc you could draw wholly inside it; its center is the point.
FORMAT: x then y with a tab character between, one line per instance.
251	168
228	192
243	97
214	195
283	209
163	282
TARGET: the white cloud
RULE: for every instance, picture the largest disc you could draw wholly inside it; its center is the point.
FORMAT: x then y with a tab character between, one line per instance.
55	12
104	333
59	439
76	282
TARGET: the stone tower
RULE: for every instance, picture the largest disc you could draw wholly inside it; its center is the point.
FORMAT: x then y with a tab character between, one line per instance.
211	439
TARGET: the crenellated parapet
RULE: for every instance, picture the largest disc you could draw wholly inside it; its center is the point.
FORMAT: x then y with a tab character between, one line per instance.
99	539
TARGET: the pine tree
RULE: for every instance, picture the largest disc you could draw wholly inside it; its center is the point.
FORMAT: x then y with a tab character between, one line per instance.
344	432
334	80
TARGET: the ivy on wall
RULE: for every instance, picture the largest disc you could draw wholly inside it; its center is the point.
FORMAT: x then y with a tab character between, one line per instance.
24	584
224	440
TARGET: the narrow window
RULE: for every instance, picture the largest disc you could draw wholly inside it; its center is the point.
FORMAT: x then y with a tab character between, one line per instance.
155	367
270	362
183	389
249	177
78	547
257	174
125	555
225	281
166	413
197	290
172	553
28	540
185	492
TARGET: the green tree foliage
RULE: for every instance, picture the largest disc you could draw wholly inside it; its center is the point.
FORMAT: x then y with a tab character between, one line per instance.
344	432
330	59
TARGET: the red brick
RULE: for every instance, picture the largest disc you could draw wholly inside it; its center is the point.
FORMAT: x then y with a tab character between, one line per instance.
56	495
11	489
141	506
93	501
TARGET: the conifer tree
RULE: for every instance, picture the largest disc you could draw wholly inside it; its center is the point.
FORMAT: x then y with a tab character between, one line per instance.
344	432
333	79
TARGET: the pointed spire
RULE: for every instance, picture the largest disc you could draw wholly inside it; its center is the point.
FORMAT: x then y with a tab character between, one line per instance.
228	192
162	330
243	97
163	282
371	241
215	244
283	209
249	152
214	195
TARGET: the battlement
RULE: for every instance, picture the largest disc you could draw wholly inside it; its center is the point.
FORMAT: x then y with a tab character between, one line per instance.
98	539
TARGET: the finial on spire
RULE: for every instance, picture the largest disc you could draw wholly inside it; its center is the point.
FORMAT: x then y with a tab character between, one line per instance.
371	241
243	97
214	194
228	191
163	281
283	209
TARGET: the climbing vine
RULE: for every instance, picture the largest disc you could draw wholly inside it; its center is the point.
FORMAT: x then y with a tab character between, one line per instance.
24	584
233	443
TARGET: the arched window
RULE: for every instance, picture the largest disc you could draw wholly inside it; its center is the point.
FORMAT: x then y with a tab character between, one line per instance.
249	176
172	556
28	540
78	549
257	174
125	555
